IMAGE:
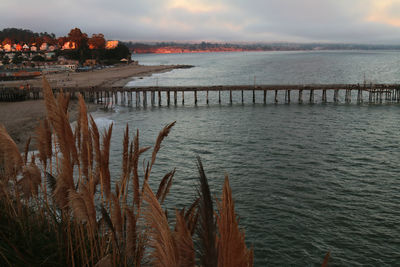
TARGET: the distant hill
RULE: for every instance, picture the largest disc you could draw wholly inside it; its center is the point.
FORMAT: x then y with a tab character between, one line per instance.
174	47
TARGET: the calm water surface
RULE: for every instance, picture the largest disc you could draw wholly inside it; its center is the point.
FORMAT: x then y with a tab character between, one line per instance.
306	179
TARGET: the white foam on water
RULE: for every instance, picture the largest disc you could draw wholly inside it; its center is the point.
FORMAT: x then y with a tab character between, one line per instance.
103	123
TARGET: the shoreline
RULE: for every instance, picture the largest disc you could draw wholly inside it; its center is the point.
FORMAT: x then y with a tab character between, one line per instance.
21	118
117	75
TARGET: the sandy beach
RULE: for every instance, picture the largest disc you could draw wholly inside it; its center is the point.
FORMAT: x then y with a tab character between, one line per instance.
111	76
21	118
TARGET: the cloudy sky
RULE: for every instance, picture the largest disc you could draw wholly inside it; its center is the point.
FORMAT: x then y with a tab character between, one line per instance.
348	21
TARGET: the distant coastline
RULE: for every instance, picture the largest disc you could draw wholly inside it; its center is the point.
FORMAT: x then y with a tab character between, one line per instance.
207	47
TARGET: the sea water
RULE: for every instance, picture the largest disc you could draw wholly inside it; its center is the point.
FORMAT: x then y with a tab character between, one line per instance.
306	178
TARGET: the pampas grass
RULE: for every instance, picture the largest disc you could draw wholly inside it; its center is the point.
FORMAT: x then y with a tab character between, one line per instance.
69	203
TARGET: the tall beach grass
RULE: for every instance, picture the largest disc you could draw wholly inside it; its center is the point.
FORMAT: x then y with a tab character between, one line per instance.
58	206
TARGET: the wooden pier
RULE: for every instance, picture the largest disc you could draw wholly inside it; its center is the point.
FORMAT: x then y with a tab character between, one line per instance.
139	96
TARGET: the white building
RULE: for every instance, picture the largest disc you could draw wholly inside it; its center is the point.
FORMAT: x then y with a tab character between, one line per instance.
7	48
44	47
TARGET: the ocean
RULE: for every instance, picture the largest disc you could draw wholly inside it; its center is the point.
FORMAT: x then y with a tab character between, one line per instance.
306	178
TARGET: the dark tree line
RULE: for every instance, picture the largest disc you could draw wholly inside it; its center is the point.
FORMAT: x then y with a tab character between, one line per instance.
81	46
23	35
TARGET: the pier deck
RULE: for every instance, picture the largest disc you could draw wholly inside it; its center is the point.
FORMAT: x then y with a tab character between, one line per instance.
376	93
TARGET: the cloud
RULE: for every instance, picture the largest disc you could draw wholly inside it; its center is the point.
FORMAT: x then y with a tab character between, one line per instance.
386	12
356	21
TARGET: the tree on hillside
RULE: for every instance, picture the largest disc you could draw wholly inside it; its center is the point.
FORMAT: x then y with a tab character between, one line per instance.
76	36
97	41
6	41
62	40
17	59
38	58
39	41
5	60
116	54
22	35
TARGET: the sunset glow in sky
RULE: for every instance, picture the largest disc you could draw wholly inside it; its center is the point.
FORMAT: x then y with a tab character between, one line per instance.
348	21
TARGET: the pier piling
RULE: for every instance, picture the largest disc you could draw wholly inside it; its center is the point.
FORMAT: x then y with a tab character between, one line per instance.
301	96
265	96
175	98
324	96
336	96
312	96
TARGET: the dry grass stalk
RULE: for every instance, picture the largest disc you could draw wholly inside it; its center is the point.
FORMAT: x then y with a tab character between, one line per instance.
326	259
131	234
133	228
86	153
10	157
104	166
106	261
116	216
30	181
232	250
135	163
64	184
26	151
164	186
191	216
43	141
184	242
207	228
58	117
96	147
164	252
164	133
125	162
79	207
63	100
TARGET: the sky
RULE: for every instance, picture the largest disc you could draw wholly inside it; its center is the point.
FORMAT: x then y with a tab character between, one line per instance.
302	21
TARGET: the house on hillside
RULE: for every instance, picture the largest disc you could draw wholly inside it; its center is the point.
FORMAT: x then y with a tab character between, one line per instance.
111	44
25	48
18	47
69	45
44	47
33	48
7	48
